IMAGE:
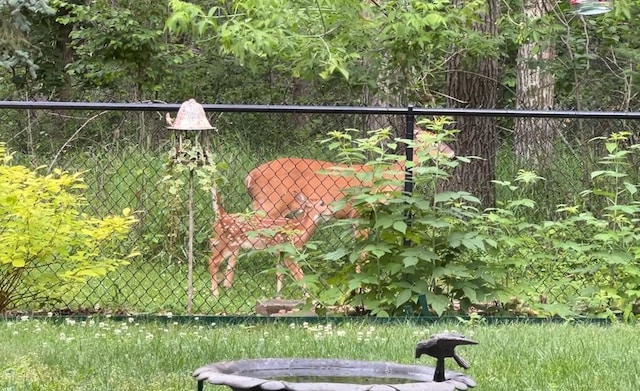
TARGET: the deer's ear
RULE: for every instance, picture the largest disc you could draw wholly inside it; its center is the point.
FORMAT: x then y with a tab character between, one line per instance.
300	198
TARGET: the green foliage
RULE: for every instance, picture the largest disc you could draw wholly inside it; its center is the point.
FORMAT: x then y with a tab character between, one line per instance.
582	262
355	40
589	255
14	29
188	156
431	253
112	43
47	245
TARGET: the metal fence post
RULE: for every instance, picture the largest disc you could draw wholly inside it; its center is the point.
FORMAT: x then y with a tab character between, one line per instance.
408	168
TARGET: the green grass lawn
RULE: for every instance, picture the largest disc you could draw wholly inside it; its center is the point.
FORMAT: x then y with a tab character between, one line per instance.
131	355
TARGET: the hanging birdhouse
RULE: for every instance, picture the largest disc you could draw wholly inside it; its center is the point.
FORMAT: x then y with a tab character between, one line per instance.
591	7
189	125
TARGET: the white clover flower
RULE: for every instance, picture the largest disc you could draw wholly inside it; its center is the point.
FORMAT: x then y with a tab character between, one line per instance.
24	318
130	320
49	314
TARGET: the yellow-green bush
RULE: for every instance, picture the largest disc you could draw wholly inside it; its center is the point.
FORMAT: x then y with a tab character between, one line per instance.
47	245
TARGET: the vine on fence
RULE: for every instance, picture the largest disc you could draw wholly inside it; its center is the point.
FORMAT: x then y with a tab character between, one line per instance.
189	155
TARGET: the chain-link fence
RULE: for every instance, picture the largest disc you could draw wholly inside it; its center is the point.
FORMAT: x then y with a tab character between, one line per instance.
125	154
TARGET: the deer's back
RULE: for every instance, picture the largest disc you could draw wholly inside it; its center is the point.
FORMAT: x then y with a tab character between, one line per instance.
274	184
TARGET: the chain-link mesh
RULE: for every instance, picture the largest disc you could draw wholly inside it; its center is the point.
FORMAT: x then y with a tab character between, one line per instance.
125	158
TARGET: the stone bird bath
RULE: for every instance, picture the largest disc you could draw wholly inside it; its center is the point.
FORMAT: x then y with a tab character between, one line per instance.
304	374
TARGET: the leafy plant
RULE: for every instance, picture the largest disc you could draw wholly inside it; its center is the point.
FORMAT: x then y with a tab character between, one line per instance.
47	245
420	244
586	259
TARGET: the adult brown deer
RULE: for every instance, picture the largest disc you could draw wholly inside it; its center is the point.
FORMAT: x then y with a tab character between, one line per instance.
232	234
273	184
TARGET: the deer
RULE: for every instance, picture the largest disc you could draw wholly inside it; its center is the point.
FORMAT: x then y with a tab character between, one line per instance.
235	232
271	185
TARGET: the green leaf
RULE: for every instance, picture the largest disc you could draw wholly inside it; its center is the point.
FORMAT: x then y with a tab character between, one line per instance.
400	226
18	262
631	188
403	297
410	261
434	20
522	202
438	303
336	254
470	293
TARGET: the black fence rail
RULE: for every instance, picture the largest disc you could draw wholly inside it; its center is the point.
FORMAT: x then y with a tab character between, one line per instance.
123	150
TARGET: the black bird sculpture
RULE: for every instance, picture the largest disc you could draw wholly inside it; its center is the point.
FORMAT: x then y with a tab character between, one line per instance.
442	346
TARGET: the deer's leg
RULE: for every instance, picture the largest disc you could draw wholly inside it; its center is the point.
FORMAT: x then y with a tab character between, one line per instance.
279	275
231	270
360	234
216	259
294	268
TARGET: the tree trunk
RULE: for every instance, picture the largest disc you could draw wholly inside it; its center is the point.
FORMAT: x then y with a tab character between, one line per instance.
533	137
63	46
473	82
386	93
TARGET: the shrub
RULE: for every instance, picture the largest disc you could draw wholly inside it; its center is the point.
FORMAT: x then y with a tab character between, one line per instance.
585	261
401	258
48	246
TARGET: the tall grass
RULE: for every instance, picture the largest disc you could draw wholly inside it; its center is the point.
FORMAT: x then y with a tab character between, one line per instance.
99	354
